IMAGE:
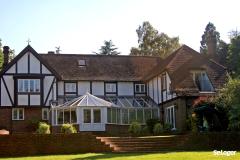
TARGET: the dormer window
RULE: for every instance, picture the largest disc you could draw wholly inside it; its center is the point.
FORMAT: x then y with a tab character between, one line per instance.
82	63
202	81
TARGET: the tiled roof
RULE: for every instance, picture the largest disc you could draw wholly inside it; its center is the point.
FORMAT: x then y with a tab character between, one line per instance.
101	67
180	64
138	68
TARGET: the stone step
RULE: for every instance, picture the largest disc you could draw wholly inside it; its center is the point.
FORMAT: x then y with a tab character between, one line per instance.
143	144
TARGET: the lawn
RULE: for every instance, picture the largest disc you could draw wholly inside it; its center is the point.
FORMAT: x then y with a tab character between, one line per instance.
134	156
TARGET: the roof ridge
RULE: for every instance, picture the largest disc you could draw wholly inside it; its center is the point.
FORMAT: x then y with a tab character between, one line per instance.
95	55
212	60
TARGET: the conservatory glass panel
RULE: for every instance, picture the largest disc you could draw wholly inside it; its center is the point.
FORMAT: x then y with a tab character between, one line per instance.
155	113
114	115
73	116
132	115
87	115
140	115
96	116
118	116
66	117
147	114
109	116
125	116
60	116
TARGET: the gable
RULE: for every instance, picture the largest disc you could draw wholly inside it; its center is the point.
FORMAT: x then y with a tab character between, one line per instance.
28	62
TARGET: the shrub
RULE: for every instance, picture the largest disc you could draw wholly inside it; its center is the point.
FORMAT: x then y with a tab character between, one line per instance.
151	123
145	130
68	129
43	128
135	128
167	127
158	128
33	124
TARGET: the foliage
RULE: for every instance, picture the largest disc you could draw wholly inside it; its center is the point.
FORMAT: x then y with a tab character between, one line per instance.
193	122
233	58
228	99
222	47
234	118
33	124
43	128
210	28
68	129
108	49
153	43
151	123
158	128
145	130
11	55
167	127
135	128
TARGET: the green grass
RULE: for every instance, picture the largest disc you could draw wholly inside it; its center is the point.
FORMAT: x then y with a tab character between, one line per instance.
134	156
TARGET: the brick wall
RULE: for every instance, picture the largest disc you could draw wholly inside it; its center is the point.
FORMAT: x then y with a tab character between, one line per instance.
34	144
5	118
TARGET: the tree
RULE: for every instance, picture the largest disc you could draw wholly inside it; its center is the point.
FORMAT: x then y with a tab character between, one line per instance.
234	54
228	99
1	55
108	49
222	47
153	43
209	28
11	55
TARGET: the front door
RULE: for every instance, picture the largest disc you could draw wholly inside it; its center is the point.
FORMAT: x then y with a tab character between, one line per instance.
92	120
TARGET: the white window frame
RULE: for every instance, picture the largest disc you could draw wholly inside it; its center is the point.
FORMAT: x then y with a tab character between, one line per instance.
45	110
18	111
140	88
172	114
110	87
29	86
70	87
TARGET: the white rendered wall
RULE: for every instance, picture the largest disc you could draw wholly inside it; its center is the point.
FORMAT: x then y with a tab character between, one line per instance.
125	89
98	88
83	87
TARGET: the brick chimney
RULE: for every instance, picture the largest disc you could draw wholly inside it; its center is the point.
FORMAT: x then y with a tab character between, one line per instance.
211	43
5	55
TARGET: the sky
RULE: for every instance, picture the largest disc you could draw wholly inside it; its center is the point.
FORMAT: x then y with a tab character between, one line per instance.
81	26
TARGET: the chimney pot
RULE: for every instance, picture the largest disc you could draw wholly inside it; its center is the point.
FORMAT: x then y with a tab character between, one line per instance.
5	55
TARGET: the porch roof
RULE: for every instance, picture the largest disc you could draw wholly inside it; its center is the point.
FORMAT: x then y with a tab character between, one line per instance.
86	100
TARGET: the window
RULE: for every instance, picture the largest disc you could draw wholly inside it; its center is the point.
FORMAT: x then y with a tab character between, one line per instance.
82	63
170	116
70	87
87	115
164	82
45	114
17	114
202	81
140	88
111	87
28	85
96	116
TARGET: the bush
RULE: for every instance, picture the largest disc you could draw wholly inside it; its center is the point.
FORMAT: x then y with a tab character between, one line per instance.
145	130
167	127
158	128
135	128
33	124
68	129
43	128
151	123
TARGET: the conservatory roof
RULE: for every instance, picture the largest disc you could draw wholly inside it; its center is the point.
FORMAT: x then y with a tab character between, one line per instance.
86	100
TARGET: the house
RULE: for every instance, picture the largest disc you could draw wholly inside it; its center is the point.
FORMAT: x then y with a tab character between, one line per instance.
127	88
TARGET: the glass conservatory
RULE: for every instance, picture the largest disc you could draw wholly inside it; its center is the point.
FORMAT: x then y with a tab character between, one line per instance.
92	113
